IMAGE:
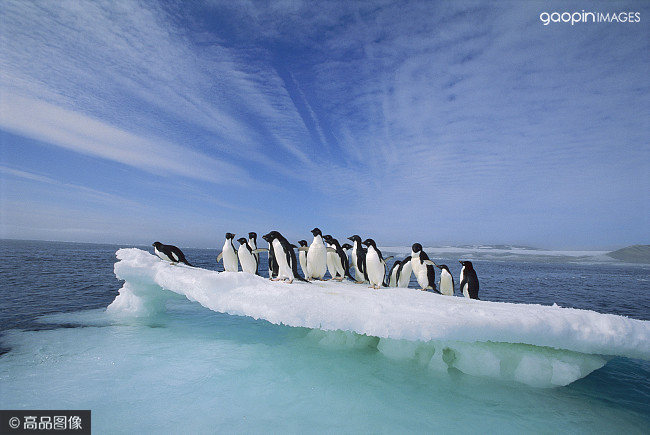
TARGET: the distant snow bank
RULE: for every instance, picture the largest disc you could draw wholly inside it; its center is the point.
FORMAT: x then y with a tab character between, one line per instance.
538	345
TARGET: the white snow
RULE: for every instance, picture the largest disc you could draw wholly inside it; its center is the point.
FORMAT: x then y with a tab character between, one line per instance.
538	345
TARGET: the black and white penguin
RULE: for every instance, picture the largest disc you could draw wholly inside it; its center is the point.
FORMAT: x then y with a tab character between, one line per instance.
284	256
358	259
273	265
392	274
446	280
375	265
316	257
423	268
337	260
468	280
247	257
302	256
252	242
228	254
404	272
169	253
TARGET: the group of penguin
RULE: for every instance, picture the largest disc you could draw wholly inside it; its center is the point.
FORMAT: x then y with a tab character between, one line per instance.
326	254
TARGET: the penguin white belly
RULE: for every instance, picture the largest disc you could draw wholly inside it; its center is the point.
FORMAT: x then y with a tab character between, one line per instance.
247	260
465	288
405	275
253	246
229	257
317	259
353	262
302	256
331	263
392	282
376	268
421	276
162	255
446	283
284	268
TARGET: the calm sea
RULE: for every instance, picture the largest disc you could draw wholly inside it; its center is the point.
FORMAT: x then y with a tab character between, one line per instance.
196	371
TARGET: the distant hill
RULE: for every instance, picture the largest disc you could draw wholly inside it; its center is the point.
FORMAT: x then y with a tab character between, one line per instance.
632	254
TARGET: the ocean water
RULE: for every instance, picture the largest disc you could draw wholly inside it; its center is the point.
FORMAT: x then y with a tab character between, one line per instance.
192	370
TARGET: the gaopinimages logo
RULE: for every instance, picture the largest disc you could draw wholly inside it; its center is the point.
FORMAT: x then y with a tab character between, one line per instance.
589	17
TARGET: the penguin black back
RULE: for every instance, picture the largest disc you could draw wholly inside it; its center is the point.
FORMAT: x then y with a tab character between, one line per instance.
469	278
171	252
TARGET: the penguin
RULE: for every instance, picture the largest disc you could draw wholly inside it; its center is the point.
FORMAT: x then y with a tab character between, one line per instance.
346	247
392	274
358	259
404	272
285	257
252	242
468	280
273	265
169	253
316	257
246	257
375	265
337	260
228	254
302	256
423	268
446	280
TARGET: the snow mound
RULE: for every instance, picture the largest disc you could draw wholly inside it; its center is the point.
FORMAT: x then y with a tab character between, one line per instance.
538	345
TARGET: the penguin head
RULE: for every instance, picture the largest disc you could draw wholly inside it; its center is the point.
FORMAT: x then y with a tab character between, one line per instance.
346	246
369	242
230	236
327	238
242	241
252	235
156	244
272	236
316	232
442	267
355	238
302	242
416	248
467	264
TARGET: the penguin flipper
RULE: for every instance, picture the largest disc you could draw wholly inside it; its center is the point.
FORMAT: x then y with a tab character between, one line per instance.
258	250
389	258
219	257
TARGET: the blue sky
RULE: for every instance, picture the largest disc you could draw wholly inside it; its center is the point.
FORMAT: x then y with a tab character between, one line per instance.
433	122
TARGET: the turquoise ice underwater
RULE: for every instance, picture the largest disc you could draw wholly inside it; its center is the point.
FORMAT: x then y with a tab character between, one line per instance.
187	368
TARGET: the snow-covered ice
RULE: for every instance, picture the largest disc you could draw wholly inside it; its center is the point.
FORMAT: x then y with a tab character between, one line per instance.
538	345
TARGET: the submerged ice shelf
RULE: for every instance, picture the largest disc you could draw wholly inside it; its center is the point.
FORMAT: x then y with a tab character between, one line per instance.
537	345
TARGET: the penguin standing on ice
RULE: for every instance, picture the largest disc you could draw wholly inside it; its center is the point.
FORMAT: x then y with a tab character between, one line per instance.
392	274
358	259
375	264
247	257
337	259
169	253
252	242
446	280
285	257
468	280
423	268
228	254
316	257
302	256
273	265
404	272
